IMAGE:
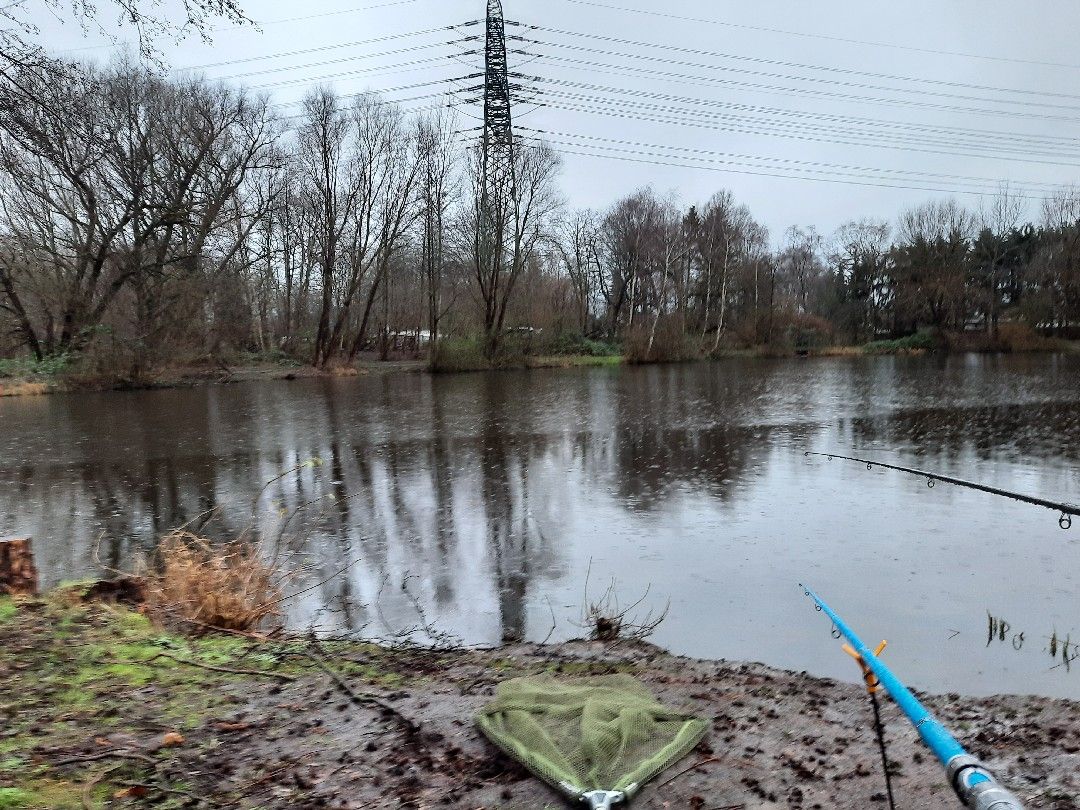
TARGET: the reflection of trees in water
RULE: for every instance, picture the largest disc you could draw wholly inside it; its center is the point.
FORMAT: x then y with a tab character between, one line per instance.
465	486
117	508
1032	432
654	464
467	504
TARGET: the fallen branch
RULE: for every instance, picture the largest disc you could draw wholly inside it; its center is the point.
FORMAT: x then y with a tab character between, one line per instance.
687	770
358	699
281	676
149	786
122	754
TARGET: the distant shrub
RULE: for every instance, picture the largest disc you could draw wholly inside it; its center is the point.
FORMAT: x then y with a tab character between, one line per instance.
459	354
1019	337
669	344
279	357
49	366
1010	337
572	343
810	331
917	343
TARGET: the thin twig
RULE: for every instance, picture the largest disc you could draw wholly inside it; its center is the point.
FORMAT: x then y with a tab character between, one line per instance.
281	676
122	754
551	632
161	789
335	575
696	765
94	781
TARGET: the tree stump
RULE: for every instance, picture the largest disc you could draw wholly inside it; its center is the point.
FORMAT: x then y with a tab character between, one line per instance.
17	572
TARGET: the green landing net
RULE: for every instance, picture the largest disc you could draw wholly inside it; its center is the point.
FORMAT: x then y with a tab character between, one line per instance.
596	740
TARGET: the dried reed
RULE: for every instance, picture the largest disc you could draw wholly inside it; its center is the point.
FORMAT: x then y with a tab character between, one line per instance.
224	586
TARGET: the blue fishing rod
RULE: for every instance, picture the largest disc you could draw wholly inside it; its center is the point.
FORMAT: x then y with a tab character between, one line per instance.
975	786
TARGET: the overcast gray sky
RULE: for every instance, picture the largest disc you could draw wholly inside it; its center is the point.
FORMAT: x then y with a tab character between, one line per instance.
917	99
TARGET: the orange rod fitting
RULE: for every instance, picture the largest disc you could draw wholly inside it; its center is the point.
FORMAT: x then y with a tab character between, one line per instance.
872	684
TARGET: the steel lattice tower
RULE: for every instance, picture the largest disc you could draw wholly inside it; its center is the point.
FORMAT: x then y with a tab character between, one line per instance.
498	135
497	143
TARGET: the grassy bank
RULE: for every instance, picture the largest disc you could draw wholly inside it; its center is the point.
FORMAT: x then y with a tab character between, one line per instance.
101	708
467	354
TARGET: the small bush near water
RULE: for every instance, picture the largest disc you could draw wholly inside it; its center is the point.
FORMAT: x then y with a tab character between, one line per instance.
49	366
459	354
225	586
574	344
912	344
668	343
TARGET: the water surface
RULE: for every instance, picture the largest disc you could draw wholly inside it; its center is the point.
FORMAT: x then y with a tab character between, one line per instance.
477	503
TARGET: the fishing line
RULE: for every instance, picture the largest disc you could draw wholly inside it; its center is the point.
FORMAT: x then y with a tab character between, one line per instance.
879	730
1067	510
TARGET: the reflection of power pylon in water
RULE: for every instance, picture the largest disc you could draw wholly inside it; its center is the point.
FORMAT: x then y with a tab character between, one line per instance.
497	144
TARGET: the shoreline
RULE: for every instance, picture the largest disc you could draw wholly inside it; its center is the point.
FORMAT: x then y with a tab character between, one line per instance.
101	705
190	376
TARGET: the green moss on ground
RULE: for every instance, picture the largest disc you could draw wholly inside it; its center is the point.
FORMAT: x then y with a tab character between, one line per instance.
7	609
78	679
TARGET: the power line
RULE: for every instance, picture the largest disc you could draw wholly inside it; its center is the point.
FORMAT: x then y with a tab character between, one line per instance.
815	164
685	116
1040	141
785	63
652	159
398	89
819	80
828	37
410	66
323	48
951	133
800	92
289	68
840	136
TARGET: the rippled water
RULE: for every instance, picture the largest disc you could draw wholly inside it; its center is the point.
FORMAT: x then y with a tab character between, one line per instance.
484	499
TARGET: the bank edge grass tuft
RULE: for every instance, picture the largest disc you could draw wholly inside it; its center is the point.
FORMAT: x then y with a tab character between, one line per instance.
226	587
919	343
8	609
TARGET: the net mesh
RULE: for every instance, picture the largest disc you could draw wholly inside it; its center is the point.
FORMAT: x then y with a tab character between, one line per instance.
584	734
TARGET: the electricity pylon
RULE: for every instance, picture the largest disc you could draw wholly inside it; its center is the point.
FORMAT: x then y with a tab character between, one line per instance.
498	138
497	193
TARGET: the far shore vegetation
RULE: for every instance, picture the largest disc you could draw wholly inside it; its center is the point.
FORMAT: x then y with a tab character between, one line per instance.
26	376
360	235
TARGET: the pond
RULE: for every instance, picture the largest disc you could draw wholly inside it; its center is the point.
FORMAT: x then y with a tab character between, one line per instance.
496	505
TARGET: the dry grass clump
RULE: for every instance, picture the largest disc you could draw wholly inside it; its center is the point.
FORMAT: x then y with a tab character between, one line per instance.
23	389
224	586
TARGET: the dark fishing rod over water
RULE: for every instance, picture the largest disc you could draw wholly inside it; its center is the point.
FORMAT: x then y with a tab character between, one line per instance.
1067	510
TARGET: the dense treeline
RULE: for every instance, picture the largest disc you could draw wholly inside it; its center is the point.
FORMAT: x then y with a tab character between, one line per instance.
146	220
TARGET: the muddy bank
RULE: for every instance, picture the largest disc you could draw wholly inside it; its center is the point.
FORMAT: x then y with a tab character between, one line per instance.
188	376
99	708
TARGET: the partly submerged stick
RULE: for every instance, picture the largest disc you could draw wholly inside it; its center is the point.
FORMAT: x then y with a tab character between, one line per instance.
1067	510
975	786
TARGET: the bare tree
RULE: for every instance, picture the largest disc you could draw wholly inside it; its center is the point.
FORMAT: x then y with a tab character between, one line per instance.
931	263
998	220
330	190
120	184
438	183
578	248
507	226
